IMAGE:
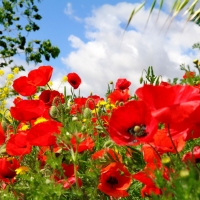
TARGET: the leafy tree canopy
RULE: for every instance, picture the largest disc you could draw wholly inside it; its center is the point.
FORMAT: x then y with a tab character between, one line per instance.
18	18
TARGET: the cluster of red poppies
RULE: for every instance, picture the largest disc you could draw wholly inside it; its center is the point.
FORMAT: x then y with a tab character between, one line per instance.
159	121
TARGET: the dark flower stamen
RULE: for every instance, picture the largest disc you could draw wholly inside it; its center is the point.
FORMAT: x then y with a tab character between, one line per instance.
138	131
112	181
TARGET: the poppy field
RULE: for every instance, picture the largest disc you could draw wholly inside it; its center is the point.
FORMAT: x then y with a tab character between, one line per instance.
60	146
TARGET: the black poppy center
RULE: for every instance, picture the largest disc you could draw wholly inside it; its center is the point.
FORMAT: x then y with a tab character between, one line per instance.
73	82
112	181
197	160
137	130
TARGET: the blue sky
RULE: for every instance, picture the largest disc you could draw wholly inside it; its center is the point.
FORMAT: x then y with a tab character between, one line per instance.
57	25
89	35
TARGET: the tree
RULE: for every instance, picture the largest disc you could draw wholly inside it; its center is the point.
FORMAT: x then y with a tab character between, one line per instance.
17	20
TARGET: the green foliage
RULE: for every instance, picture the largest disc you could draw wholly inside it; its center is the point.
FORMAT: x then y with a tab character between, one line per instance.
17	19
150	77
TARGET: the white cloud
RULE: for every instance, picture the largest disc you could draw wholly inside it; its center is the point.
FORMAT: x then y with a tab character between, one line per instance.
107	55
68	10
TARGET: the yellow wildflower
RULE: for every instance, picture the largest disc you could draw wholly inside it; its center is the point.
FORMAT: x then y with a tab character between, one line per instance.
84	120
6	90
36	97
3	95
1	72
3	102
9	83
50	83
22	170
10	77
64	79
110	106
16	70
101	103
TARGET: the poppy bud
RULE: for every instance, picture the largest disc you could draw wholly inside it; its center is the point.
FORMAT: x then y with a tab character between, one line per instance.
53	112
166	160
195	61
121	103
4	125
87	113
83	128
184	173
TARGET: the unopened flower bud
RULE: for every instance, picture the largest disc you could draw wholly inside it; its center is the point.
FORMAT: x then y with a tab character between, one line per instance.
87	113
83	128
184	173
166	160
53	112
195	61
4	125
111	82
121	103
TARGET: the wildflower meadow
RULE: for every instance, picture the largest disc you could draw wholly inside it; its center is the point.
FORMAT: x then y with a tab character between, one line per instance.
124	145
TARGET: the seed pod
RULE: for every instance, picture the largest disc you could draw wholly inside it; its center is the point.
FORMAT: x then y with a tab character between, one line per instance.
4	125
53	112
87	113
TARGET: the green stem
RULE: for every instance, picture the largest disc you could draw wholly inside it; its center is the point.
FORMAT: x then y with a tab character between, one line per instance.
49	86
168	126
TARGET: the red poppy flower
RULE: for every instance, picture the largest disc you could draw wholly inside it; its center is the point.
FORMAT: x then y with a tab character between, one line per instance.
2	135
42	156
119	96
115	179
17	100
27	110
150	155
74	80
82	141
132	123
69	178
47	96
70	181
27	86
18	145
40	76
170	104
150	187
122	84
163	143
143	178
107	153
78	105
68	171
44	134
93	100
163	83
7	168
193	156
189	74
23	87
148	190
